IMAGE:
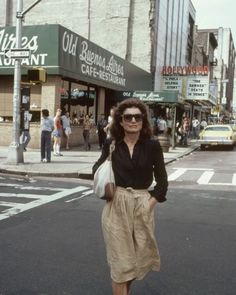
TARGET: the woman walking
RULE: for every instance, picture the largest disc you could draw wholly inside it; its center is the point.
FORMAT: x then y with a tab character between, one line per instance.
128	219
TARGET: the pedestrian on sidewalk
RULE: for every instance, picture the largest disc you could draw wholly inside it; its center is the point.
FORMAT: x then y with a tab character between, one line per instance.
25	136
195	127
46	131
102	123
66	128
185	127
87	125
57	133
128	219
203	124
109	120
162	126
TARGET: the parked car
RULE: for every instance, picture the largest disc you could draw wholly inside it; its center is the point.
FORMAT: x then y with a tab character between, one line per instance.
217	135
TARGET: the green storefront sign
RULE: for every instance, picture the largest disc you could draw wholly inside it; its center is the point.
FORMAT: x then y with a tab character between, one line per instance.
159	97
63	52
42	41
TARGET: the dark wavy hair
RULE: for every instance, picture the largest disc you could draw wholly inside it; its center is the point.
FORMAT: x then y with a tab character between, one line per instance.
117	131
45	112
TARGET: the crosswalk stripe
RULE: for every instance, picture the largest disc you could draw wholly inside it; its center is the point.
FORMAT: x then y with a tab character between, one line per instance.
18	208
10	184
234	179
87	193
176	174
180	171
23	187
205	177
27	196
221	183
11	204
42	188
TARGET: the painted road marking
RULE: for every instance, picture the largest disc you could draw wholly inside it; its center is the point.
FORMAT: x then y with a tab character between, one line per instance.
85	194
234	179
179	172
11	204
18	208
23	187
205	177
217	198
27	196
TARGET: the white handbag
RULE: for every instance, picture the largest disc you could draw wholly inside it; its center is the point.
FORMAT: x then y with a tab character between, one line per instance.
104	180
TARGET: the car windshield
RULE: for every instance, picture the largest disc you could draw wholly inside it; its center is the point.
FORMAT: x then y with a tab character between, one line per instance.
217	128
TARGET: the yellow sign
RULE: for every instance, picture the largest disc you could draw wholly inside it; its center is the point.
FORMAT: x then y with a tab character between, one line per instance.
215	110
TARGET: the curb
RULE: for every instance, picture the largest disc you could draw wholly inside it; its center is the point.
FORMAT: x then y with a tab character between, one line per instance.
37	173
193	148
85	176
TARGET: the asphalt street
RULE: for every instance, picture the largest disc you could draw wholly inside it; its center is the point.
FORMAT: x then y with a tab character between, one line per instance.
56	248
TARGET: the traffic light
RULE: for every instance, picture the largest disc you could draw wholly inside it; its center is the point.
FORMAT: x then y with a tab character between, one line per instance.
37	75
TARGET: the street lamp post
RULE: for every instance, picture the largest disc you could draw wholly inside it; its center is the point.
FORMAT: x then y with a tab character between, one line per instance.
15	154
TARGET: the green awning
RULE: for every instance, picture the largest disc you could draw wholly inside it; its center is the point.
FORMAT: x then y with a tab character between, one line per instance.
63	52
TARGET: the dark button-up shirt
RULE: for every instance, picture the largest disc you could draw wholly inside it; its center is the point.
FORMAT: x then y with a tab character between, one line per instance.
138	171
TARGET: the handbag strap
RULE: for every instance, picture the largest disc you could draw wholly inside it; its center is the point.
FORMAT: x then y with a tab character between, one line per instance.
111	150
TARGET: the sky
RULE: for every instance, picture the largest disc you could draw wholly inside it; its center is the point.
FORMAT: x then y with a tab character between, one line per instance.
216	13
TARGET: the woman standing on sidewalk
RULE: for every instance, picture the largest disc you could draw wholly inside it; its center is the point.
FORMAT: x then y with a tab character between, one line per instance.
87	125
66	128
57	133
128	219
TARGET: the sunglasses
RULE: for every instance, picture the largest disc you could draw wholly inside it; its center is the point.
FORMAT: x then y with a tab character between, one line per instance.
129	117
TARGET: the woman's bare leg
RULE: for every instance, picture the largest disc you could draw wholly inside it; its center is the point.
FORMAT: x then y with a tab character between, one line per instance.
119	288
67	142
129	287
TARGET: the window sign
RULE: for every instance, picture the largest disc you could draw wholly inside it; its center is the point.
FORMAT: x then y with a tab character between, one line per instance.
198	88
172	83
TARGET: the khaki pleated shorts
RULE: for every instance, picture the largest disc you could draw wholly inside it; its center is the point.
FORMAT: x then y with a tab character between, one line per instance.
128	230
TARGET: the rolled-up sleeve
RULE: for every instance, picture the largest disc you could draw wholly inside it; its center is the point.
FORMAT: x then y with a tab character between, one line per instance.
160	189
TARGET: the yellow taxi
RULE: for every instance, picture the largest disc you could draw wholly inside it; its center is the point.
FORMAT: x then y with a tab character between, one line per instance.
217	135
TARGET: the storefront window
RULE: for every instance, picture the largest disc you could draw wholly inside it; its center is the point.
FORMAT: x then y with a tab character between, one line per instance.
78	100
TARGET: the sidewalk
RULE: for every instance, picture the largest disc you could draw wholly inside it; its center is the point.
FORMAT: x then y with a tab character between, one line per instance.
74	163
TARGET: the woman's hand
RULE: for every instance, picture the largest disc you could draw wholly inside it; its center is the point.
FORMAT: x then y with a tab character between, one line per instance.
152	202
